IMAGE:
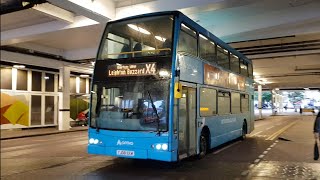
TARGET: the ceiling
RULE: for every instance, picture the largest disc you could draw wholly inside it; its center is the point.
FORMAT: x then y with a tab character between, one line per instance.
281	37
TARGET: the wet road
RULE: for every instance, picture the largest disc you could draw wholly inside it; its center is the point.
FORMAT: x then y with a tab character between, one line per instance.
261	156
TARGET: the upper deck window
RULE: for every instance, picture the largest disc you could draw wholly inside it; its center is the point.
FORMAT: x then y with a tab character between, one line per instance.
207	49
244	67
150	36
187	41
223	57
234	63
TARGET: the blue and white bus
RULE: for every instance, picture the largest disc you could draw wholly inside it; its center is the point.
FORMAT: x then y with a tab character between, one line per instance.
165	88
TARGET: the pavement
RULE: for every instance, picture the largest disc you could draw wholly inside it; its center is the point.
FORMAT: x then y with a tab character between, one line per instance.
29	132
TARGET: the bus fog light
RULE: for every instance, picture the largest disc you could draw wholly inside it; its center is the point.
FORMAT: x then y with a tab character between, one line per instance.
91	141
158	146
164	147
96	141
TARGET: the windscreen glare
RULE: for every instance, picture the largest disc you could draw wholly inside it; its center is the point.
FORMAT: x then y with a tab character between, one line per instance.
151	36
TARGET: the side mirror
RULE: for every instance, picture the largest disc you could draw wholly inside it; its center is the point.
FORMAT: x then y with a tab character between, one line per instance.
177	90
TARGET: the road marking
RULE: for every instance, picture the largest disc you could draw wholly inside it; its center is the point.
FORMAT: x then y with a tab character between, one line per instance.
265	152
244	173
269	127
256	161
261	156
216	152
251	135
274	135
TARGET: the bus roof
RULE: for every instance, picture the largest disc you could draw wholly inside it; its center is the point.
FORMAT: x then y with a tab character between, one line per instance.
191	23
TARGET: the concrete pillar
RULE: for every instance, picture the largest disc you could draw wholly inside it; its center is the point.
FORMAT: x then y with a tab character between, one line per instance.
273	101
260	101
281	103
64	99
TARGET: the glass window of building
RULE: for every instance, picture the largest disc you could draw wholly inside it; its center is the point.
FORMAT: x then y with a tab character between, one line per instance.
49	78
244	103
35	110
234	63
82	85
6	78
243	67
49	110
208	103
223	57
22	80
235	103
36	81
207	49
223	102
187	41
72	84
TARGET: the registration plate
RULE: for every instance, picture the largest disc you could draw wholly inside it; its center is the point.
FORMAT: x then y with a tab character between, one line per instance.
125	153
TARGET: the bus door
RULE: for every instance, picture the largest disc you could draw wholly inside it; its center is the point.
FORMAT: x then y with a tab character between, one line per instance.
187	122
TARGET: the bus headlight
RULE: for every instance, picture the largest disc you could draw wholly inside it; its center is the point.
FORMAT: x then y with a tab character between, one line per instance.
164	147
158	146
91	141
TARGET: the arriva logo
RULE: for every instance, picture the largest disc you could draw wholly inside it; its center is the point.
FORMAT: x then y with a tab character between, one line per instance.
120	143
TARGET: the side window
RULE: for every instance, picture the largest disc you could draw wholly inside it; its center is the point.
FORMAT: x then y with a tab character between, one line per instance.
244	102
187	41
208	102
223	102
250	70
235	103
234	63
223	57
243	67
207	49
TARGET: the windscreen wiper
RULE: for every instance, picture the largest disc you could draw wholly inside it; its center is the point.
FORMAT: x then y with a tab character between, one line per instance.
155	110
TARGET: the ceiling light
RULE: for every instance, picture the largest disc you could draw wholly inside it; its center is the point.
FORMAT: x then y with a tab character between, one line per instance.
134	27
19	66
84	75
160	38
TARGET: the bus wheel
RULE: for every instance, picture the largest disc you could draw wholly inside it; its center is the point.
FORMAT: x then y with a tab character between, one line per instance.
203	146
244	131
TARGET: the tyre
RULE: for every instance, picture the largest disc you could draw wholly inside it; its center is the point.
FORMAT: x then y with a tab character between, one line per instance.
203	146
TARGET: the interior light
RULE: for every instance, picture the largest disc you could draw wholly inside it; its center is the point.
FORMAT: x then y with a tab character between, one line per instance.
134	27
185	26
164	73
46	77
203	37
19	66
160	38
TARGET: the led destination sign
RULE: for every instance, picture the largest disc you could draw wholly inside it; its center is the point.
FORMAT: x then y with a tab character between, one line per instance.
137	69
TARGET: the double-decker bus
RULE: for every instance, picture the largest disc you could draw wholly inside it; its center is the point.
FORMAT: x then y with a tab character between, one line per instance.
165	88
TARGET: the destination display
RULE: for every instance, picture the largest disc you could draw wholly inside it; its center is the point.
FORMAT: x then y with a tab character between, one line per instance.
137	69
217	77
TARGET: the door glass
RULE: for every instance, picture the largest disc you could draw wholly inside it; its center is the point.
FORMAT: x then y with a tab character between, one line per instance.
183	121
187	121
